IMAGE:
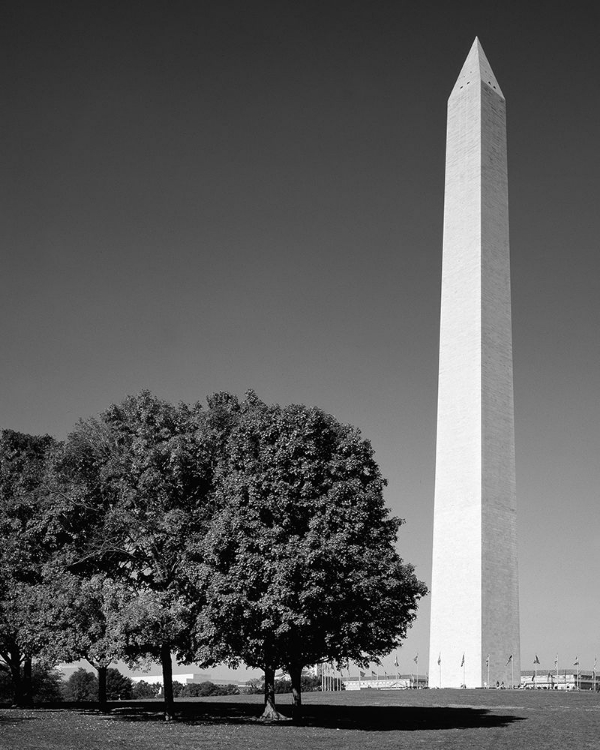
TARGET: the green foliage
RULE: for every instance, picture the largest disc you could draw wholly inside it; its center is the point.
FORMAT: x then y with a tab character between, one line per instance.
300	563
178	688
24	553
205	689
143	690
256	686
311	684
197	689
46	685
6	686
118	686
283	686
81	686
139	476
133	484
240	532
82	617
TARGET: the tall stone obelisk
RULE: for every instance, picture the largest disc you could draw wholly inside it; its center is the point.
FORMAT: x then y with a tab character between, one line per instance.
474	589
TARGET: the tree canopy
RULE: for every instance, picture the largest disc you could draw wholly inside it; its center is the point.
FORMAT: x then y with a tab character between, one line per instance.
137	482
300	565
238	532
23	553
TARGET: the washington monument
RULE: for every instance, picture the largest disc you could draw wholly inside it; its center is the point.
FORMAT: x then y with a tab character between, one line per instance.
474	636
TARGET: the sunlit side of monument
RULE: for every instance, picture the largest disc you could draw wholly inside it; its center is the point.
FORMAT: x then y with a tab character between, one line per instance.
474	637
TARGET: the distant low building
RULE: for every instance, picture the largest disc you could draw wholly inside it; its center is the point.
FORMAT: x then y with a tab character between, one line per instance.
385	682
564	680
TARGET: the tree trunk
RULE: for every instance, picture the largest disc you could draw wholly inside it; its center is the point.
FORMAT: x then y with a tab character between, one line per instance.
167	670
296	677
27	685
14	663
102	700
271	713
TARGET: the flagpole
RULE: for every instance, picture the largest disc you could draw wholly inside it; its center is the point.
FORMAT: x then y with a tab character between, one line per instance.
511	661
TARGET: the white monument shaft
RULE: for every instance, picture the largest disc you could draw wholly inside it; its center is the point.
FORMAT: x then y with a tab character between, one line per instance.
475	608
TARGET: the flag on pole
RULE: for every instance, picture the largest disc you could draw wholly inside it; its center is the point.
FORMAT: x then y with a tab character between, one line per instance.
416	659
440	659
509	660
362	675
396	661
373	674
487	661
536	660
595	662
556	661
576	662
462	663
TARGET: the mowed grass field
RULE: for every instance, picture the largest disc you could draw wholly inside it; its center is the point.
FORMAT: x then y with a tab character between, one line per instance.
366	720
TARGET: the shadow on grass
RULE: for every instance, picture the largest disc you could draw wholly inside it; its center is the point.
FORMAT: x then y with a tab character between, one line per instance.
364	718
4	720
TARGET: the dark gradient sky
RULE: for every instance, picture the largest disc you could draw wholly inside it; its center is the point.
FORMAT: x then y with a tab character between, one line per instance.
203	196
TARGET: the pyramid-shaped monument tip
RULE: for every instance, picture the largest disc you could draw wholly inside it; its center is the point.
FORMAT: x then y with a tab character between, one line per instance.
476	69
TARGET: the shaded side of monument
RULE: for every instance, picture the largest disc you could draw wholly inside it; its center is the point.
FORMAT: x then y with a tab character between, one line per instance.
474	638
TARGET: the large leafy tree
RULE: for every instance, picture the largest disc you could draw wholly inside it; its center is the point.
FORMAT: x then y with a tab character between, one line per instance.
81	686
132	492
119	686
300	564
82	618
23	554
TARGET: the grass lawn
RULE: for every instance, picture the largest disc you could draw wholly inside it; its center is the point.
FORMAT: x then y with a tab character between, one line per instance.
364	720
